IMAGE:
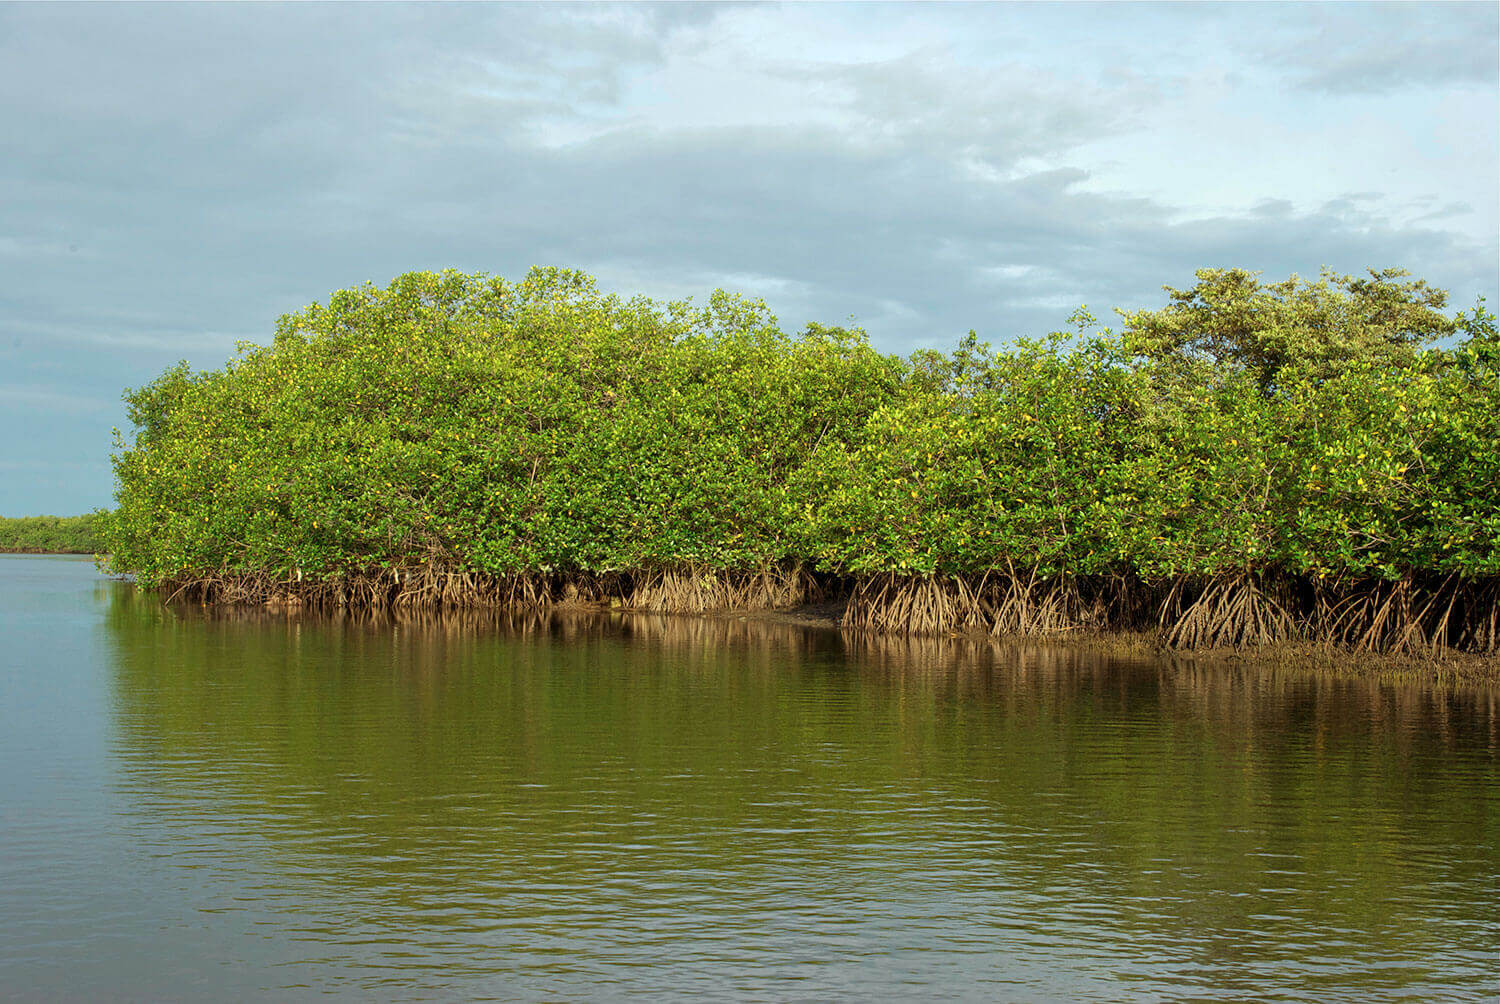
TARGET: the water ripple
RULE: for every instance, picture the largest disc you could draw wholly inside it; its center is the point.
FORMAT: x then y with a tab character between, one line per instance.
238	808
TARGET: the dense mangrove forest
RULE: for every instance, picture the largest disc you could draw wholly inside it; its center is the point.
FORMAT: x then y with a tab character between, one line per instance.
48	534
1254	462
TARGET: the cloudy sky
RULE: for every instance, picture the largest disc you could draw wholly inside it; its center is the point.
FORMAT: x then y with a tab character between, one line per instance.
172	178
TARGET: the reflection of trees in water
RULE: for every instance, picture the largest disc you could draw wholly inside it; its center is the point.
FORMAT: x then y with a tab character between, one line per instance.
1239	702
480	749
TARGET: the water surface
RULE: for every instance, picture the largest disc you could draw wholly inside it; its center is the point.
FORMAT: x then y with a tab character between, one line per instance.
203	805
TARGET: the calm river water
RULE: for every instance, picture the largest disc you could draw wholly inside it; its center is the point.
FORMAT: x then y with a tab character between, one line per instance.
209	806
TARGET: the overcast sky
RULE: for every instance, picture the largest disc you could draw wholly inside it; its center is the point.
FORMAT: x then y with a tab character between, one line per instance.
173	178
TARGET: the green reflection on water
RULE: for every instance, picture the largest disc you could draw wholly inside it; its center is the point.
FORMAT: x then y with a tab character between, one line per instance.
661	801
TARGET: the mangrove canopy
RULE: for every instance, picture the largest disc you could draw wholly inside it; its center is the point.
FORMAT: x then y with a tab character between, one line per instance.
1253	462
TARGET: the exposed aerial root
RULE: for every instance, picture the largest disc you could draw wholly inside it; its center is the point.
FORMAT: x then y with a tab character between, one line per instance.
927	604
1406	616
1228	611
695	590
433	587
1481	626
1031	604
999	603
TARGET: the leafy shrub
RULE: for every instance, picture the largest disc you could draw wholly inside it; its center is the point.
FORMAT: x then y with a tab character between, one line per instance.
457	425
49	534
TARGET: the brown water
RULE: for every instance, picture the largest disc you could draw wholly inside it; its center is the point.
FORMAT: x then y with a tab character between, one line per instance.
205	806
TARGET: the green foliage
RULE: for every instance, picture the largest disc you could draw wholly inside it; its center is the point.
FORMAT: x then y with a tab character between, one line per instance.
463	422
1230	319
49	534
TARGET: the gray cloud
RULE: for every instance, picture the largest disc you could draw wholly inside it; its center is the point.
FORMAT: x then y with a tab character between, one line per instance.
1008	112
1378	48
176	177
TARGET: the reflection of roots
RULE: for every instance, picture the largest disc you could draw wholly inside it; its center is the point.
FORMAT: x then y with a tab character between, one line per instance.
1407	616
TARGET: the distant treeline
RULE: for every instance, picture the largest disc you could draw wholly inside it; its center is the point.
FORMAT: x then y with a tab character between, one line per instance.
1314	460
49	535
